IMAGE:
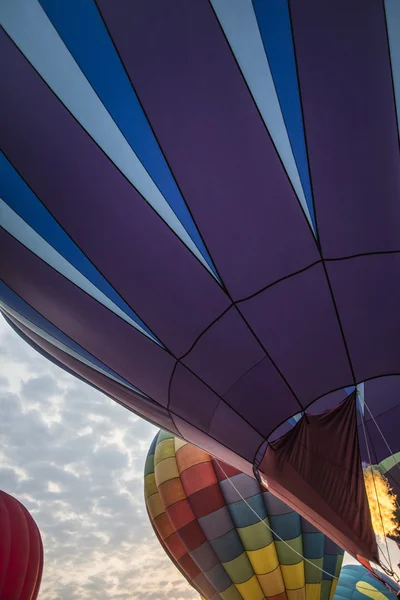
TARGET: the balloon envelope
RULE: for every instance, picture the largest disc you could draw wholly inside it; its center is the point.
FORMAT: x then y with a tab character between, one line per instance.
215	524
21	551
357	583
199	210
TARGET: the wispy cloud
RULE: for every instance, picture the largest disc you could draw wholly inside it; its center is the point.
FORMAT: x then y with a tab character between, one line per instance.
75	459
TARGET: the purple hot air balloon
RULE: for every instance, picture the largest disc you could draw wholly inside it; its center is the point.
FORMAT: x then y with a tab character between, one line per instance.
200	216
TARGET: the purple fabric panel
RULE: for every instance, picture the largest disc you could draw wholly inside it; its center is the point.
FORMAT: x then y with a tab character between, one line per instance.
329	546
225	352
327	402
217	523
381	395
280	431
230	429
368	298
296	322
100	209
127	398
191	399
204	557
246	486
210	445
350	123
219	578
206	121
113	341
263	397
275	506
388	423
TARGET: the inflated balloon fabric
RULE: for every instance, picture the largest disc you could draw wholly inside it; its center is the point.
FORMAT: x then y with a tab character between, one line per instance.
222	547
356	583
200	216
21	551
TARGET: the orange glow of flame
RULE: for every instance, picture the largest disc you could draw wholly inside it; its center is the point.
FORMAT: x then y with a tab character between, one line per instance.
382	503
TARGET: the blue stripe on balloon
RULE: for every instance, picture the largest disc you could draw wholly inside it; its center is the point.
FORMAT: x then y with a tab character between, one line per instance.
243	516
286	526
329	566
23	201
15	302
79	24
274	23
228	546
313	545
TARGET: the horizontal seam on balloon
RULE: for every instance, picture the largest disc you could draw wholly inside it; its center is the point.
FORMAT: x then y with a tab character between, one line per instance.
280	280
160	147
205	331
313	264
381	414
313	236
114	165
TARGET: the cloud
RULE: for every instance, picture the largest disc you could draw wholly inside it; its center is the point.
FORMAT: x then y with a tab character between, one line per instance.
76	459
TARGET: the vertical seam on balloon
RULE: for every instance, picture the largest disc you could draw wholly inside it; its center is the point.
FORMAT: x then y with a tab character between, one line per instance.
266	128
164	347
270	358
221	399
315	203
161	150
284	120
226	506
116	124
391	69
109	159
318	240
339	322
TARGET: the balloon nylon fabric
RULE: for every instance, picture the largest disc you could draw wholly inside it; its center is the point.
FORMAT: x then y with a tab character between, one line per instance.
21	551
199	208
320	459
216	540
356	583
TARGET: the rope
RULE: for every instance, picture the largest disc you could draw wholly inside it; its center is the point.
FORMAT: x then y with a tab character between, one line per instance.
391	453
284	541
376	494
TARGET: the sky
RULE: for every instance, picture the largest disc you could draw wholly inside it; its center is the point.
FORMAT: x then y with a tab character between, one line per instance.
75	459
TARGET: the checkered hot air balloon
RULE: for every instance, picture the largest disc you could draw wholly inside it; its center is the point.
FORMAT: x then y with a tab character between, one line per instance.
202	513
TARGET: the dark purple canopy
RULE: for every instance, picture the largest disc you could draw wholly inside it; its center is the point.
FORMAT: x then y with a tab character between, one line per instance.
200	209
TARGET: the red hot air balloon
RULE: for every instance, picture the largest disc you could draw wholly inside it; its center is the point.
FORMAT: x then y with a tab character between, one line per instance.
21	551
